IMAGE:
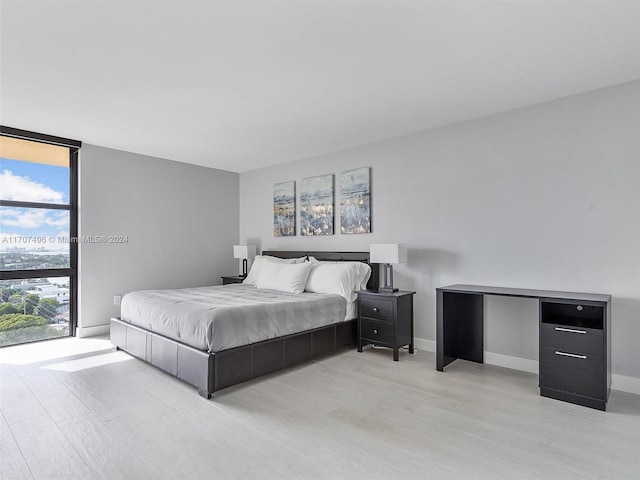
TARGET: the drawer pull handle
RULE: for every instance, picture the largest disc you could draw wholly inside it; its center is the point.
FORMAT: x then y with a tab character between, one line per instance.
375	309
375	331
579	308
572	355
570	330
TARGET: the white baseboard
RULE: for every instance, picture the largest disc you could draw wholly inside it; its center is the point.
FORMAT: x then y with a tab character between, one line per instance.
515	363
618	382
625	384
424	344
82	332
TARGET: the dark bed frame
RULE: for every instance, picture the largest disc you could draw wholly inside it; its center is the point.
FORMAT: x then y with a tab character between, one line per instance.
210	372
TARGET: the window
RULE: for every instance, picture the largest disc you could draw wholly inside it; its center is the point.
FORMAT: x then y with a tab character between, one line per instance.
38	236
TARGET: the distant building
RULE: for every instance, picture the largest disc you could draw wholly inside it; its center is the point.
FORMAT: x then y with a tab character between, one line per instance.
22	286
48	290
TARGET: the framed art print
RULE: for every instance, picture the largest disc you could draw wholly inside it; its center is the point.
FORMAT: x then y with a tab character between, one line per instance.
316	205
284	209
355	201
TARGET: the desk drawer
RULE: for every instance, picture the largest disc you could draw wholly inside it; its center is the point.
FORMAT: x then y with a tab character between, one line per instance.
572	372
376	331
376	308
573	339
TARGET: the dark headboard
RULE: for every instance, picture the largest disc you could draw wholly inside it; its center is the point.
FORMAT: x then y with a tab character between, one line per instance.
374	280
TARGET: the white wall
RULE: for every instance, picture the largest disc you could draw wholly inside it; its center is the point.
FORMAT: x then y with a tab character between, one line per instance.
181	222
542	197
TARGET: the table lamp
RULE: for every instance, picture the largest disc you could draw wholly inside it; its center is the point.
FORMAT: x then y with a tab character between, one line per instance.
244	252
388	254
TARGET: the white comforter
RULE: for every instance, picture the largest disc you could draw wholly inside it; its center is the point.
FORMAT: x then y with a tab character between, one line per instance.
221	317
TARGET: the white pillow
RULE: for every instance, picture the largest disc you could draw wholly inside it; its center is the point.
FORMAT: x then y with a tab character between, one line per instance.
343	278
284	277
256	266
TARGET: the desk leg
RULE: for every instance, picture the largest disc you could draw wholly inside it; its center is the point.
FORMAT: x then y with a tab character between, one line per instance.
440	335
411	349
459	327
440	332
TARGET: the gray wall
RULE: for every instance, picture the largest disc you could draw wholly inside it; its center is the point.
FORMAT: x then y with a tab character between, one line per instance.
181	221
542	197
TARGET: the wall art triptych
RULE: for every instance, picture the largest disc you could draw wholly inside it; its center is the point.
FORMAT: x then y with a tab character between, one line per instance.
317	204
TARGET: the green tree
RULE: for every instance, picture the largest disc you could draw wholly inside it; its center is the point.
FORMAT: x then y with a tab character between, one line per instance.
48	308
6	308
30	303
15	299
6	292
14	321
19	328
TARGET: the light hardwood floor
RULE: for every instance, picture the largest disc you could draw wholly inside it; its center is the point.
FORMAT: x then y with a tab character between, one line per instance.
76	408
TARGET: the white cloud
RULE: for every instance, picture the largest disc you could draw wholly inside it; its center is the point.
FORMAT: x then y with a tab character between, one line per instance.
24	219
15	187
60	219
34	218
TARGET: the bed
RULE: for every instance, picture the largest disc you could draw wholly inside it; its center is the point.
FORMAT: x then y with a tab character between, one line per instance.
210	364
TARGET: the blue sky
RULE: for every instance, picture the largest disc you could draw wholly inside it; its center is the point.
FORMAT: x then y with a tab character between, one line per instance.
56	178
35	182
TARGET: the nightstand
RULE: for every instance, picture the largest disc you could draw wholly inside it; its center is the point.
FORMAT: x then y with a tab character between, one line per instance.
385	319
226	280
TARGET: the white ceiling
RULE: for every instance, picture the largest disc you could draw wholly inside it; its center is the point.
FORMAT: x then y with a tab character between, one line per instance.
239	84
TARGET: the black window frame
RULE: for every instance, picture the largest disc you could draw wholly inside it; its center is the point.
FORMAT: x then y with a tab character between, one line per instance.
71	272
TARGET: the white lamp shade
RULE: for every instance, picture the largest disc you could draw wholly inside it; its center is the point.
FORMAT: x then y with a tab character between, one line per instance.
388	253
244	251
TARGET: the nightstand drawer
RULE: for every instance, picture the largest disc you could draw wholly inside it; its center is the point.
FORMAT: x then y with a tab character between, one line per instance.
376	331
573	339
376	308
572	372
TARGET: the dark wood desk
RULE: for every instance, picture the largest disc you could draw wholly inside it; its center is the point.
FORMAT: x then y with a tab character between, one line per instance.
574	341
